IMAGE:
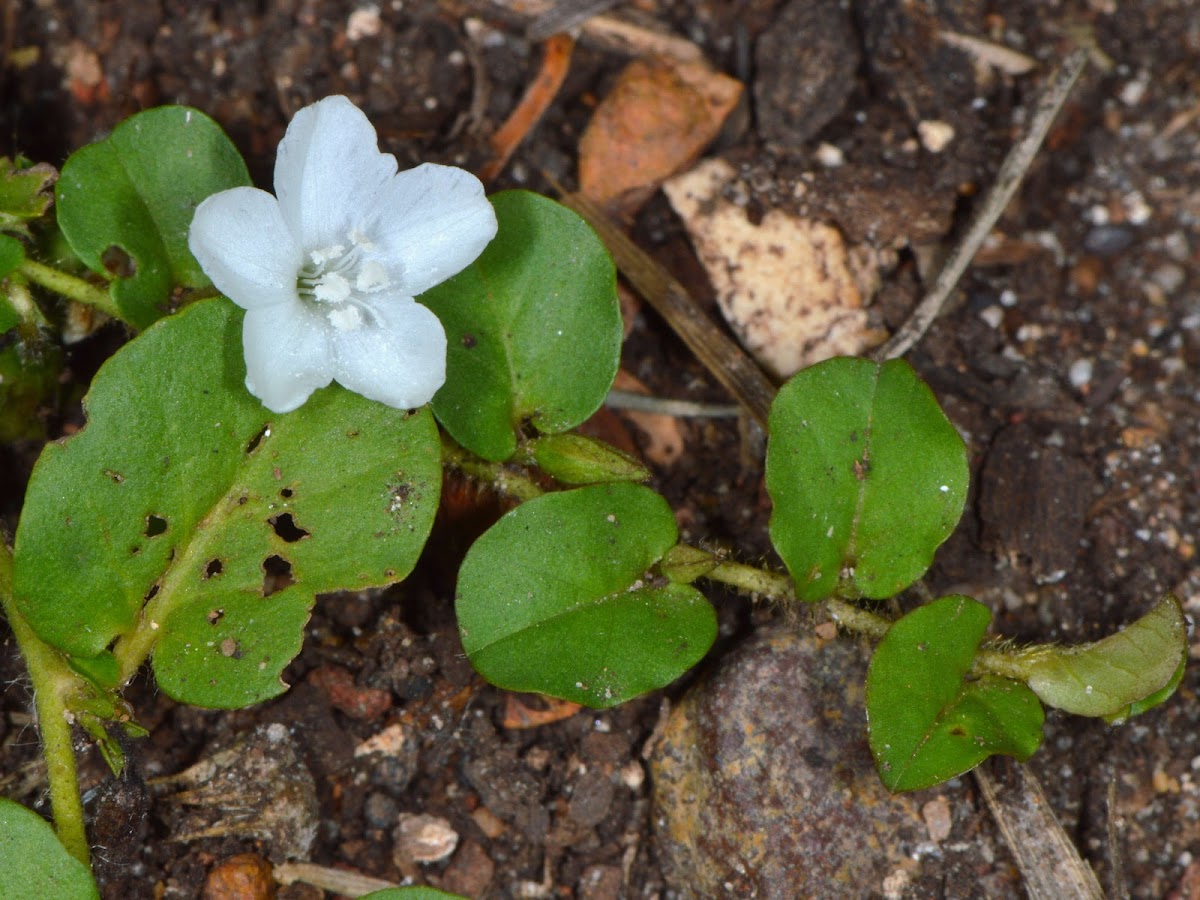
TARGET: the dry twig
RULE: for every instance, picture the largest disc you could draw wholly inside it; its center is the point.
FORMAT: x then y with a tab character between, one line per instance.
556	60
727	361
1050	865
1012	172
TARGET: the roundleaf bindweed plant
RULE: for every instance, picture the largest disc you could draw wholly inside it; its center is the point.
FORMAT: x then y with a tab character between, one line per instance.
305	366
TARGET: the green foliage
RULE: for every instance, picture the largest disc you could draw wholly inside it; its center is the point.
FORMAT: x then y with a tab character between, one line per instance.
929	719
24	193
135	192
411	893
12	254
558	597
534	329
185	498
34	863
577	459
1122	675
867	475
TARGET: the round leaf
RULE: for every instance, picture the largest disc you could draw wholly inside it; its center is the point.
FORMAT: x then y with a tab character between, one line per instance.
926	721
867	475
135	192
556	598
186	508
34	863
533	325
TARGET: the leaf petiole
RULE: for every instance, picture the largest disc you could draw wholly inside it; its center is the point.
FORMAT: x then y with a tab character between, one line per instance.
69	286
54	684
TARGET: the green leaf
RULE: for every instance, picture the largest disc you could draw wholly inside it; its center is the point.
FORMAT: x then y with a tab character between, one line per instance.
136	191
411	893
12	254
867	475
102	670
578	459
185	496
557	598
1149	702
533	325
24	192
1114	677
928	721
34	863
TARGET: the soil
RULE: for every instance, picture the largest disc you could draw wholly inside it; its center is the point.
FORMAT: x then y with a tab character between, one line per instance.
1067	359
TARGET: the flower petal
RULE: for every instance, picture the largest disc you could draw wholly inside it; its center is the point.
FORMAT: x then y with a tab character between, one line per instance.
239	239
328	171
397	357
429	224
288	354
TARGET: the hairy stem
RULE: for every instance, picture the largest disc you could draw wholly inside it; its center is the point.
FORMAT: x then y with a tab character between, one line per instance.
752	580
500	476
53	685
855	618
69	286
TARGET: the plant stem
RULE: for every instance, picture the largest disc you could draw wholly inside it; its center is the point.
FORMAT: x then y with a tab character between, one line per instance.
752	580
500	476
855	618
70	287
53	684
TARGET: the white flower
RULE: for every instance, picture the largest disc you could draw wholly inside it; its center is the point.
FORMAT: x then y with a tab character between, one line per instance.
327	272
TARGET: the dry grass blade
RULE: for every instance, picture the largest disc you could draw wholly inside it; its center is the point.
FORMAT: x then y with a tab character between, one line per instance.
1050	865
1012	172
728	362
565	15
338	881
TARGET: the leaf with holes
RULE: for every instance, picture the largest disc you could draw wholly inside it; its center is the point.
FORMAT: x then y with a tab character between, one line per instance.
533	325
187	518
125	203
557	598
31	857
928	720
867	475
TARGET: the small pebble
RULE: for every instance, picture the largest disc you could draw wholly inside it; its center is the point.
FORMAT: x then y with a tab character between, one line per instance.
937	819
1080	373
993	315
423	838
830	156
1108	240
363	22
633	776
246	876
935	134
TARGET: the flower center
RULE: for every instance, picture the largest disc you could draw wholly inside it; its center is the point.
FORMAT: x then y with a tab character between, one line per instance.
339	276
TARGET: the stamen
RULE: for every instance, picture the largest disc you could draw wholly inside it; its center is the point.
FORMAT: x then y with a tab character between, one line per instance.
325	254
371	277
331	288
345	318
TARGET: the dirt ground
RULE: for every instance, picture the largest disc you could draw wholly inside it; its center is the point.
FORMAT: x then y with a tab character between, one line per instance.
1067	359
